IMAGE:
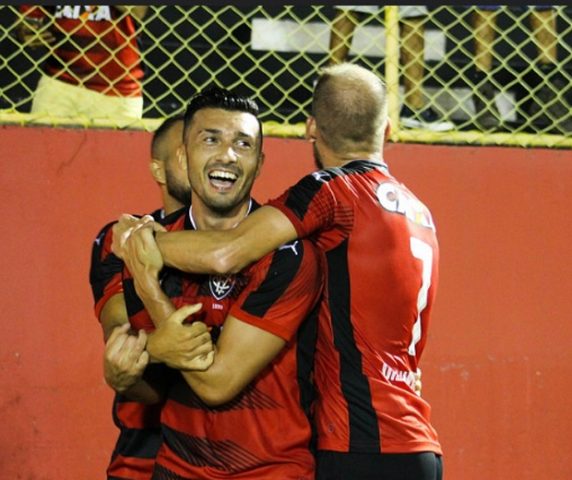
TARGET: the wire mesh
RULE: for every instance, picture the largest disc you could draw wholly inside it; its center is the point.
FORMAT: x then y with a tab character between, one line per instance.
456	74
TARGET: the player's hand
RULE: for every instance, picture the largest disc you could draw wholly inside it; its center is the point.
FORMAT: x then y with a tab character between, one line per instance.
33	32
123	229
141	253
418	385
125	358
180	345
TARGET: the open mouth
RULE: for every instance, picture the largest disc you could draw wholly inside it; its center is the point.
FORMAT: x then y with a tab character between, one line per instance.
222	179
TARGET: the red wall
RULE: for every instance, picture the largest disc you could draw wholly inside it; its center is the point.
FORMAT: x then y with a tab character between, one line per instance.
497	367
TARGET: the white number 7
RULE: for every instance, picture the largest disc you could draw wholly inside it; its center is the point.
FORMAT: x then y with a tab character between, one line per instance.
423	252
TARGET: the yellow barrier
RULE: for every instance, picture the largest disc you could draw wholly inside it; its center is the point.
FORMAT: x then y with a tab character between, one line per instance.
466	75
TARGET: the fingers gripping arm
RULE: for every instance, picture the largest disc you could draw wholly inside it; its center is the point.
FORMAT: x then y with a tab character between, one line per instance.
236	363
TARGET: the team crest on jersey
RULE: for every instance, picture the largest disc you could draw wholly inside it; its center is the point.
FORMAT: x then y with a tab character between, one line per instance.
220	286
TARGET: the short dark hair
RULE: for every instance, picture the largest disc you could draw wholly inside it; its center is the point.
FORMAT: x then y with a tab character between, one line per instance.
161	132
217	97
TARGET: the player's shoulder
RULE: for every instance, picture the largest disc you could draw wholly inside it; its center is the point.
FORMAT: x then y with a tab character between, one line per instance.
292	256
107	228
104	232
293	263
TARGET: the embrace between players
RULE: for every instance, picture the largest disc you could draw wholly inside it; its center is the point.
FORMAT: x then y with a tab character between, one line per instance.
278	341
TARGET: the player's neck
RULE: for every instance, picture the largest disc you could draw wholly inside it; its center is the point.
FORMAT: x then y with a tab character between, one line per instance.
203	218
331	158
341	160
170	204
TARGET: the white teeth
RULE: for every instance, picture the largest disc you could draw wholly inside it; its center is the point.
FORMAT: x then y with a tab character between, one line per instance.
223	175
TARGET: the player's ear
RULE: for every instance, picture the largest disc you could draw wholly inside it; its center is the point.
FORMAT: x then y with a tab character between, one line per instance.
157	168
182	158
311	129
387	131
261	158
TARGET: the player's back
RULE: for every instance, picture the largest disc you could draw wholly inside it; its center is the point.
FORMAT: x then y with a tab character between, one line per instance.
382	257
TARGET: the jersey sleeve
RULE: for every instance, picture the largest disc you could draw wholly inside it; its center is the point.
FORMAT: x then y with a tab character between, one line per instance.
310	205
105	270
284	286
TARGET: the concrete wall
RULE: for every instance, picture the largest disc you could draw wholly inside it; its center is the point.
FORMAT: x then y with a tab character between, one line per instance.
498	361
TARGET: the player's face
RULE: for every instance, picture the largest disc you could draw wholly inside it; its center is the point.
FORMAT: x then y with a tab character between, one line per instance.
176	177
223	158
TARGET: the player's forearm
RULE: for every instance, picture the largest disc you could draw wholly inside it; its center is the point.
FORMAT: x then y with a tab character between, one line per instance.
215	386
200	252
227	251
156	302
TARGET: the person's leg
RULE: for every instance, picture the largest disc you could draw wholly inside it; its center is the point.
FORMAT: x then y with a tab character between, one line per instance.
97	105
484	25
548	108
60	99
487	116
543	24
341	35
54	97
412	48
415	112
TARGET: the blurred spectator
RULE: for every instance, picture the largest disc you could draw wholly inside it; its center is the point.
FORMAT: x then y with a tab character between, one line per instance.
94	63
415	113
548	107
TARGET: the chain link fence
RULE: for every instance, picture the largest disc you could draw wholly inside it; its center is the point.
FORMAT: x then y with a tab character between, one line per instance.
455	74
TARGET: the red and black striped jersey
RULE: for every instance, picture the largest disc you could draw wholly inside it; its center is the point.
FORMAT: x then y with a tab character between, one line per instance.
95	47
139	437
382	261
243	438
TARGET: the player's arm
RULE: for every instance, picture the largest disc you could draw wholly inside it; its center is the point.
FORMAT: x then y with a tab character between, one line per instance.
307	207
242	352
222	251
283	289
107	289
124	363
113	315
125	356
177	344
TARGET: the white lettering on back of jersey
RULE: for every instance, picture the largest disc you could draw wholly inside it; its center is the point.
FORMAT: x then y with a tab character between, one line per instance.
398	376
103	12
74	12
397	200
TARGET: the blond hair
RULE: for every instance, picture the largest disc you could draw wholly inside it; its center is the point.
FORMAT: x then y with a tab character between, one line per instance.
350	108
